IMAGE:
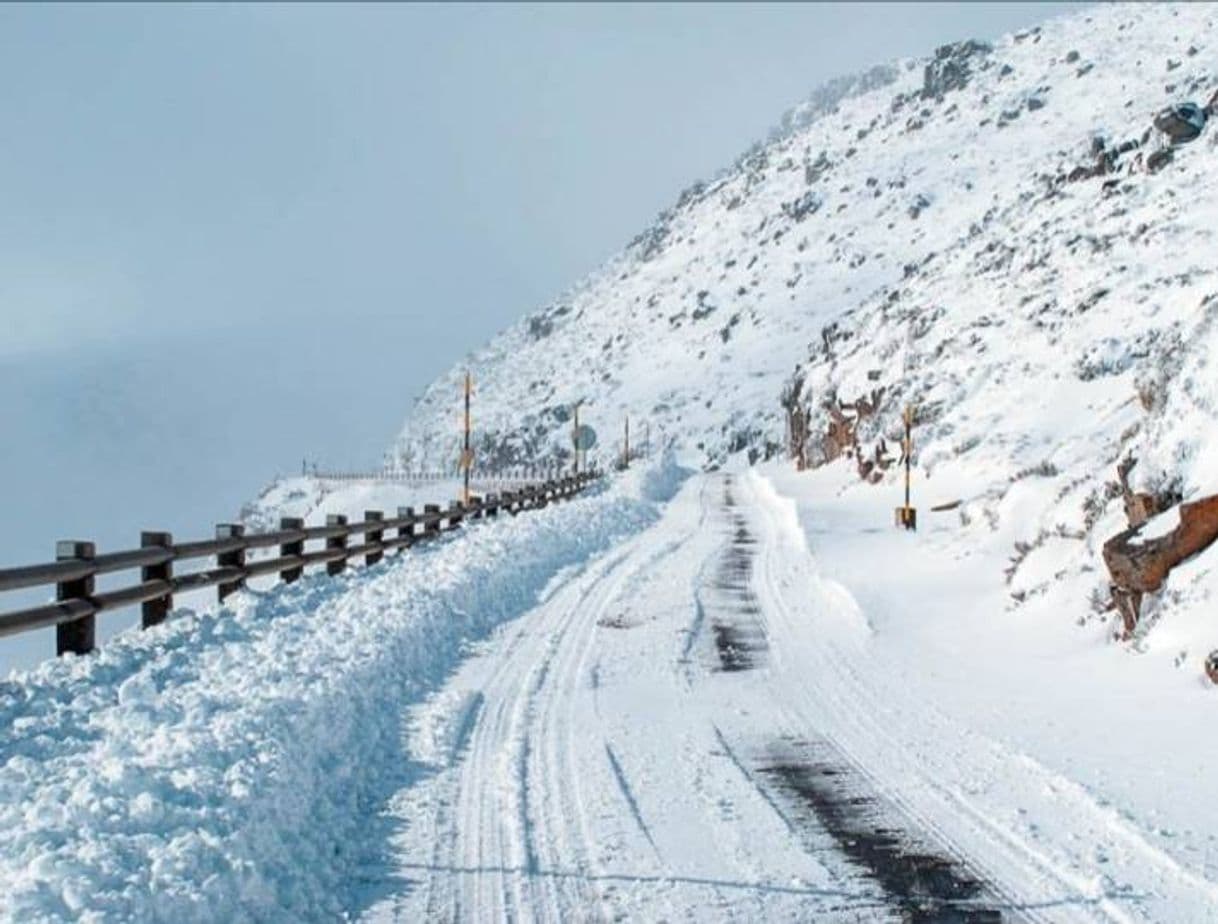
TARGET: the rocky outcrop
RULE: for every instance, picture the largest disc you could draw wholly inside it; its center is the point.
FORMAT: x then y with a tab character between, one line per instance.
1139	567
1140	506
841	436
951	68
797	420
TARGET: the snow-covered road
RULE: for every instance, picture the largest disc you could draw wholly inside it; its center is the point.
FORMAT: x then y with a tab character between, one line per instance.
654	703
692	728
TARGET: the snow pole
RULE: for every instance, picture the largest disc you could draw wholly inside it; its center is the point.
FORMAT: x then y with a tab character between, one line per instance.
467	452
907	516
626	445
575	439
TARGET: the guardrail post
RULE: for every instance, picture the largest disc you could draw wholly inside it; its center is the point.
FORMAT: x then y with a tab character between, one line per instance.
432	527
455	510
336	542
296	547
407	531
231	559
492	505
373	535
476	503
153	612
79	635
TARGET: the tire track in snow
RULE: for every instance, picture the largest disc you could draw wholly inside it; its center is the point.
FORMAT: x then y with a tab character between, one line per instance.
631	802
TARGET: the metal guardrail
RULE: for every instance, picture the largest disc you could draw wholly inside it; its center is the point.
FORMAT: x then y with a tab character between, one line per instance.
77	565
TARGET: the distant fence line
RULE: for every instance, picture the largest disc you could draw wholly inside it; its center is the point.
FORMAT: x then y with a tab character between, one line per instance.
77	563
511	475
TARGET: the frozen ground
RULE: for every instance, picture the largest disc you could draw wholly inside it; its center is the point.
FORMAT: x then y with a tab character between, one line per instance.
755	701
735	717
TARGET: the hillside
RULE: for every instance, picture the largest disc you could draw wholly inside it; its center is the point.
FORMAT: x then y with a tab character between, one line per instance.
977	233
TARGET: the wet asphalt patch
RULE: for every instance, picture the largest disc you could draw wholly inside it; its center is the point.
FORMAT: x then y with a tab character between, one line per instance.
732	608
921	882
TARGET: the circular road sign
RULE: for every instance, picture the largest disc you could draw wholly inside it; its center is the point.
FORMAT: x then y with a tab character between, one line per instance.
584	438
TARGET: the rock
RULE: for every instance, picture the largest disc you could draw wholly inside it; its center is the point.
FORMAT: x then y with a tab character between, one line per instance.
951	68
1142	505
807	204
1159	159
1137	568
1071	57
1182	122
1211	666
540	326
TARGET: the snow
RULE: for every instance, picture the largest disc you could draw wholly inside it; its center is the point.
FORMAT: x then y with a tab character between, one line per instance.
661	700
1044	329
216	767
608	765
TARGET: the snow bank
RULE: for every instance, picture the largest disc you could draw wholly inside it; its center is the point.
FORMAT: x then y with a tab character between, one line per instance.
218	767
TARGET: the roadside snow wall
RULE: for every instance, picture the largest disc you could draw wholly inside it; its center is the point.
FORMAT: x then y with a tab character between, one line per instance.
220	766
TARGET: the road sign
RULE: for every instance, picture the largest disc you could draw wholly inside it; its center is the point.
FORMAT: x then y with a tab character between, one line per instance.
584	438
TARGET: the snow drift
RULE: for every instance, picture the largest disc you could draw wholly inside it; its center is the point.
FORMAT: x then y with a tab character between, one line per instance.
213	768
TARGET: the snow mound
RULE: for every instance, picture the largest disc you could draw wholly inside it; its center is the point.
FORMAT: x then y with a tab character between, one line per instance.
210	769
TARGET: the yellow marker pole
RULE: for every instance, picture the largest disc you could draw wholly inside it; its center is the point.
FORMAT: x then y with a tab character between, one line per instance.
907	516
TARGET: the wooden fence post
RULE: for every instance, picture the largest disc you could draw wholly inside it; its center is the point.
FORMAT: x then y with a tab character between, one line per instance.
79	635
407	531
336	542
430	529
295	547
234	558
373	535
153	612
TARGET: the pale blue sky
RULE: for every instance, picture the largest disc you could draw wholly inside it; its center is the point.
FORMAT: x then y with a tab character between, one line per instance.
233	236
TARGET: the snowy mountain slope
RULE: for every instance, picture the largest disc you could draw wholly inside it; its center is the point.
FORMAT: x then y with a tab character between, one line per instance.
695	324
923	236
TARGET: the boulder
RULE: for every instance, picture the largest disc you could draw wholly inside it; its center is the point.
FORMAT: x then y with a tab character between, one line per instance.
1182	122
951	68
1138	567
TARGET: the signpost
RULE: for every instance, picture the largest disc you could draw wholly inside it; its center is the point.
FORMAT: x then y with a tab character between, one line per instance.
583	438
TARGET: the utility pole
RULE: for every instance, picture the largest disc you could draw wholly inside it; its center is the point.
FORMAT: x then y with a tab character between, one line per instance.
467	452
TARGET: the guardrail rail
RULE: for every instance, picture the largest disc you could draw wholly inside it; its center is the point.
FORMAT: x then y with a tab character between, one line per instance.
77	564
